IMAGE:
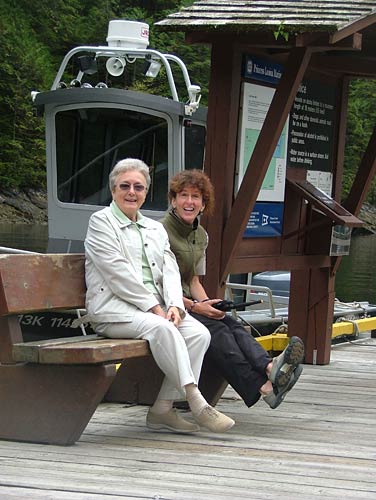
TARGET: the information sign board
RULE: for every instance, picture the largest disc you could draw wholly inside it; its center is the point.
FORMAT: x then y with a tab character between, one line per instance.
265	221
255	104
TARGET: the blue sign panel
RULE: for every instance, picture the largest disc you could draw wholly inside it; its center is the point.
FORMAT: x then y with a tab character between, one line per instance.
264	71
265	221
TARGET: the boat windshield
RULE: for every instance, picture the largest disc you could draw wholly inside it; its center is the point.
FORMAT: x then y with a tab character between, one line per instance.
194	146
89	141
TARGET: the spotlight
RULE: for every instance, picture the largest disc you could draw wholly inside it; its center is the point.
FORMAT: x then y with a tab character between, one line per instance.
75	83
87	64
115	66
152	69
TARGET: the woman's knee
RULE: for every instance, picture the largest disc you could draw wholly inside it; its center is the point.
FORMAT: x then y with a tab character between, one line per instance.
221	332
199	335
205	336
160	332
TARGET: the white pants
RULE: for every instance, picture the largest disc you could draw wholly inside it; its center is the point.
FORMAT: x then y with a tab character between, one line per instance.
178	352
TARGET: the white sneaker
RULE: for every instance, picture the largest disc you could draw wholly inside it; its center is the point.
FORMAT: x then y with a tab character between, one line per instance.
213	420
171	421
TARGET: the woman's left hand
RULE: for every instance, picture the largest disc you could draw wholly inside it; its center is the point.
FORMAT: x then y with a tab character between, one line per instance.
206	309
173	315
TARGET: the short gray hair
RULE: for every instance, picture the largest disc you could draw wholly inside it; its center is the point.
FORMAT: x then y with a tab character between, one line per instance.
127	165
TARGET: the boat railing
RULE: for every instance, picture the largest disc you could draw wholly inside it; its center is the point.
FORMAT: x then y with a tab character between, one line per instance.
8	250
257	292
130	55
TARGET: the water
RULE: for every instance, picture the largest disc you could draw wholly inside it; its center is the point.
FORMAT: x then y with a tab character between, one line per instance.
31	237
356	277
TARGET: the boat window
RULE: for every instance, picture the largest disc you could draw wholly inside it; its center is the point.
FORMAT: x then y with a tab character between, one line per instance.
194	146
89	141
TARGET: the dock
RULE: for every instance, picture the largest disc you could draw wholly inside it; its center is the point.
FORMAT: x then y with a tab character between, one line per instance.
320	443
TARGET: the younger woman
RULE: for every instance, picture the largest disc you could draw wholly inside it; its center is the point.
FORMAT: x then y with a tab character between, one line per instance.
236	355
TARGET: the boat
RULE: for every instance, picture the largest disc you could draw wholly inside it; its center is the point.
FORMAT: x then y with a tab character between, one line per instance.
93	120
272	288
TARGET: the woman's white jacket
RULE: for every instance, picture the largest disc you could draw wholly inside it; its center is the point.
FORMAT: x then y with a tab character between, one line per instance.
113	268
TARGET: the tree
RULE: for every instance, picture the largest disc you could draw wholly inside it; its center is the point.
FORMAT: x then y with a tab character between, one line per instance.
25	66
361	121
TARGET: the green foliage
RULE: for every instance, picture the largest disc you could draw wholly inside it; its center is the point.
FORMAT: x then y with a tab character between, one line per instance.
34	37
281	32
25	66
361	121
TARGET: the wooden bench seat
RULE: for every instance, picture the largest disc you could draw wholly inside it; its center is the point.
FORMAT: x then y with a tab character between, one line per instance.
49	389
89	349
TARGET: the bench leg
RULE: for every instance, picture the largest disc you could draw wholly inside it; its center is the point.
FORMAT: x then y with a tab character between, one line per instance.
138	381
50	404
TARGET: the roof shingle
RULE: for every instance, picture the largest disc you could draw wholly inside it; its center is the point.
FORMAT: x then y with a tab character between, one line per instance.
242	15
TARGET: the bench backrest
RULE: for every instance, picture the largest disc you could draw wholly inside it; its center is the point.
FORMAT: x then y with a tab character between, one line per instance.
31	282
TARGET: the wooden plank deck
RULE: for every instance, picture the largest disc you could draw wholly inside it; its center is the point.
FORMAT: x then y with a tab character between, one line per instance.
320	443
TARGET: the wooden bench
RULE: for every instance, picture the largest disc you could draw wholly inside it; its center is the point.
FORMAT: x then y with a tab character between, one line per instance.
49	389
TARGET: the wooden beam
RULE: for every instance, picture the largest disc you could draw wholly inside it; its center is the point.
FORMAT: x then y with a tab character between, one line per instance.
322	41
223	109
366	172
340	138
354	65
340	153
262	154
310	313
245	264
253	40
325	204
352	28
319	41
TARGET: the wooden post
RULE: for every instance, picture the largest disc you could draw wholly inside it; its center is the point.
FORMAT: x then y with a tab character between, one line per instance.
311	312
223	109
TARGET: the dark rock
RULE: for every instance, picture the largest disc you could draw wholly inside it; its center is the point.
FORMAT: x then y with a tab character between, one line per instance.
23	206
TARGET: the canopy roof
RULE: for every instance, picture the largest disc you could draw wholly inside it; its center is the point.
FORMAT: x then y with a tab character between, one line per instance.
343	33
296	17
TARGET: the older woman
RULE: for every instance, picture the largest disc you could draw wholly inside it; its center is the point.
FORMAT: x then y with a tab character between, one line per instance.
235	353
134	291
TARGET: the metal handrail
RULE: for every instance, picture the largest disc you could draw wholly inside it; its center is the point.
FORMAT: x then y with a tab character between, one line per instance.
257	288
8	250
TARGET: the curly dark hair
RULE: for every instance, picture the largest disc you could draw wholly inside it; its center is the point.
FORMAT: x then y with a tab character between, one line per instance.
197	179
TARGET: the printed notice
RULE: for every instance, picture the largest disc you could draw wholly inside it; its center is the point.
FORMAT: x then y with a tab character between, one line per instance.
311	127
321	180
256	102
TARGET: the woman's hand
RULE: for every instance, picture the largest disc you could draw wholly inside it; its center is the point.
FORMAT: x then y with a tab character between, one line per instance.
173	315
206	309
158	311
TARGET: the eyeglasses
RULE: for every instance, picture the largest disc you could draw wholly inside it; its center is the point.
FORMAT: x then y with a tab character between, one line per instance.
139	188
